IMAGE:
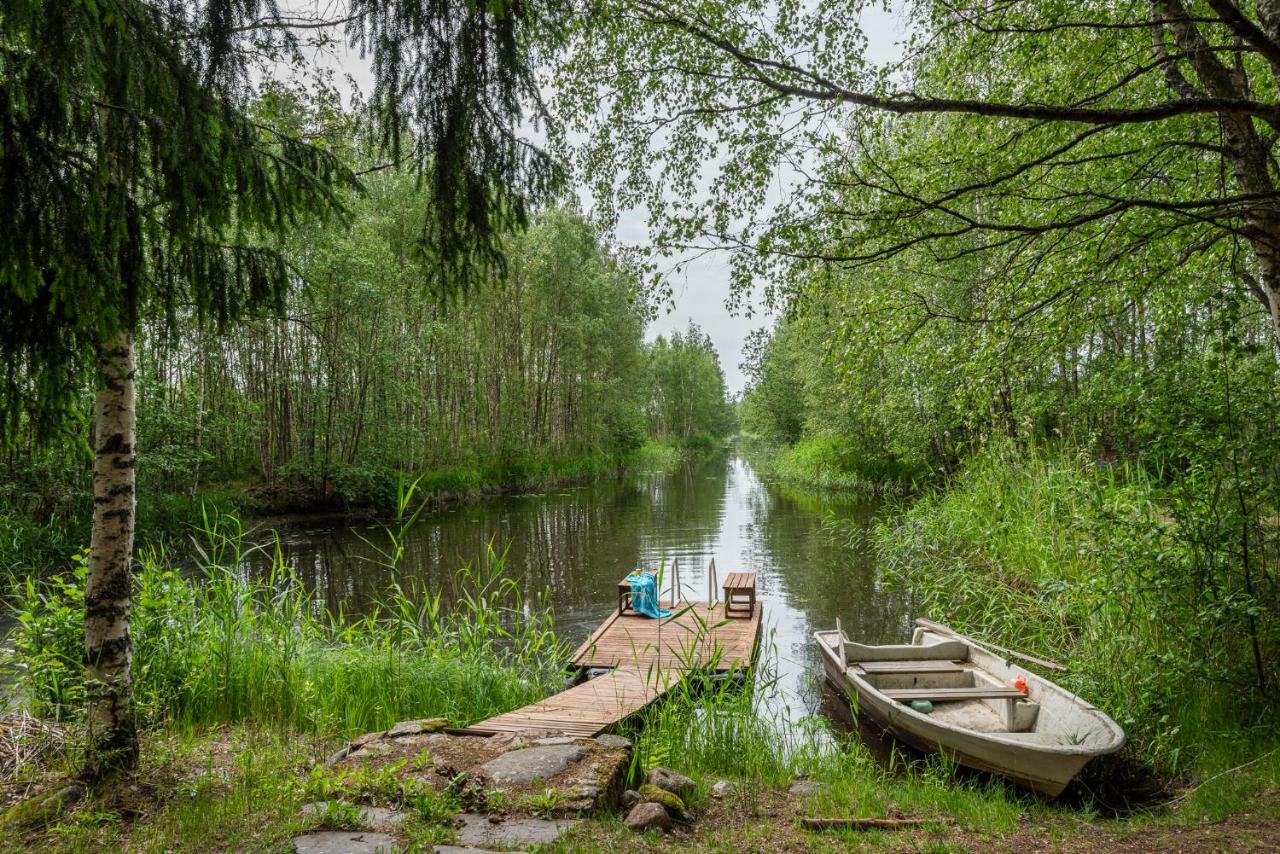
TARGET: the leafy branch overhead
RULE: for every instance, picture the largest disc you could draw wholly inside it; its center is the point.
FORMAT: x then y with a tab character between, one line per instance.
1013	132
139	180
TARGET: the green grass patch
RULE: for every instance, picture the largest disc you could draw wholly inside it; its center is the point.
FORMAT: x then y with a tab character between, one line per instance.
827	462
1105	569
215	647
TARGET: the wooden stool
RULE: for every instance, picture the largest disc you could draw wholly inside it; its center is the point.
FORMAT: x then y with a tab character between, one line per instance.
624	595
740	584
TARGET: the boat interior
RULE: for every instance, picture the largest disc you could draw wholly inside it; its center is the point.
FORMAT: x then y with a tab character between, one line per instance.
962	693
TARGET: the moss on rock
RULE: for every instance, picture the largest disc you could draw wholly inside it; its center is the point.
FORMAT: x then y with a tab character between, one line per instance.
671	802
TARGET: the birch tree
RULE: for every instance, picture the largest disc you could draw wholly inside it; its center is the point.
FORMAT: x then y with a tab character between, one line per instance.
137	182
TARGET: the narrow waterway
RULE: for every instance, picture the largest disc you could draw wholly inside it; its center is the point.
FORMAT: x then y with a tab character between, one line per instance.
576	544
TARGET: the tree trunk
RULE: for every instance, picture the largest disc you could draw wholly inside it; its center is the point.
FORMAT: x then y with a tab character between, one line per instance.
113	741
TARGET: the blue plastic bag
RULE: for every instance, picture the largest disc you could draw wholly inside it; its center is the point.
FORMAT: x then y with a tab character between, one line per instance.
644	594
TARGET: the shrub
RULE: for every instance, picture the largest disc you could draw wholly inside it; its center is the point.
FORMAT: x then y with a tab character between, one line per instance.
217	647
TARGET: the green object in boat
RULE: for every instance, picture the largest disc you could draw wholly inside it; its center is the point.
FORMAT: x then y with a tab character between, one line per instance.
924	707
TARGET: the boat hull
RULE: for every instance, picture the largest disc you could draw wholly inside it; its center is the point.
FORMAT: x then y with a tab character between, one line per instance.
1042	771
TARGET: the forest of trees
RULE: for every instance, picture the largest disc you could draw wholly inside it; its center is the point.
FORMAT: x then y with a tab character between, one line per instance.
1024	278
539	371
1027	282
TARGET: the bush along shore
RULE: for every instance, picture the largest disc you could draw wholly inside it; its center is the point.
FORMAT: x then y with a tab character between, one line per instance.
264	719
45	522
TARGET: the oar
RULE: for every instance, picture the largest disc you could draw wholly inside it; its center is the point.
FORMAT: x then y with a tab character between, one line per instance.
941	629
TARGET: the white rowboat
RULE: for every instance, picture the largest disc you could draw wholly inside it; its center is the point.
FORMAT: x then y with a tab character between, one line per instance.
1039	737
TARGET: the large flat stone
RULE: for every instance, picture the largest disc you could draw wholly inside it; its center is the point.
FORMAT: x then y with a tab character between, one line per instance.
522	767
478	831
344	842
416	727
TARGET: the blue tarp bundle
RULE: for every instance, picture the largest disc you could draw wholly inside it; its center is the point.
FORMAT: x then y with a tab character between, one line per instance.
644	594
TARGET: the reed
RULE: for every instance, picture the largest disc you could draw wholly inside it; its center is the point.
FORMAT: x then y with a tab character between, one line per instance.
217	646
1102	568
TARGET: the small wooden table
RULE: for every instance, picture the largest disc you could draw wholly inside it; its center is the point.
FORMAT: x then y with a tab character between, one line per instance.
740	594
624	595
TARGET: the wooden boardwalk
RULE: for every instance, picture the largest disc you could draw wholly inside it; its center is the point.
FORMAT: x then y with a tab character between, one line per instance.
645	659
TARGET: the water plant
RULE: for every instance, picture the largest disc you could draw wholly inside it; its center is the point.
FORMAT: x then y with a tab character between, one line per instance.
214	645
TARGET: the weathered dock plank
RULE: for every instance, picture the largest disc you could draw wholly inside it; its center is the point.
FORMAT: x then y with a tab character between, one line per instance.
646	659
696	635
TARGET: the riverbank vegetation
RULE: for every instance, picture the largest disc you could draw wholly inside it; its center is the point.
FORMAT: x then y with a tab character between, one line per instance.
539	375
1029	276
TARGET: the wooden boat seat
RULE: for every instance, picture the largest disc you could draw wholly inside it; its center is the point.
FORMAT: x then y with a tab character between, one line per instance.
944	651
945	694
925	666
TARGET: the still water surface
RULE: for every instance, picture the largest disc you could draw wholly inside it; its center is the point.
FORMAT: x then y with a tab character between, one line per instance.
576	543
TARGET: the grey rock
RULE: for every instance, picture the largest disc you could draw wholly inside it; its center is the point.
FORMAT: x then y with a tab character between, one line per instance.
381	818
521	767
804	788
554	740
344	842
478	831
585	790
70	794
337	756
648	816
362	740
721	789
670	781
371	750
611	740
629	799
462	849
417	727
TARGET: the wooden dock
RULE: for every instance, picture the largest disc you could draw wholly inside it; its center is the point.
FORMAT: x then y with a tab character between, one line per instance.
645	659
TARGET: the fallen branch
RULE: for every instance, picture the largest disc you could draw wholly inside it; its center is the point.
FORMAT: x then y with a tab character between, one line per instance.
1189	792
869	823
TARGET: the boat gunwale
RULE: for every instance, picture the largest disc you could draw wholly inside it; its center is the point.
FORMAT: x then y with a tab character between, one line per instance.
860	684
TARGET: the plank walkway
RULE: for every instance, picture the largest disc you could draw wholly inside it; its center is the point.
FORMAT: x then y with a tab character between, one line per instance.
646	658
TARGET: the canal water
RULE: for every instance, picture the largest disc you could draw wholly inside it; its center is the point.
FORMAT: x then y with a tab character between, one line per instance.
576	543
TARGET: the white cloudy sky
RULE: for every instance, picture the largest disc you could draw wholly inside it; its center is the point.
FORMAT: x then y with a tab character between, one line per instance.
701	287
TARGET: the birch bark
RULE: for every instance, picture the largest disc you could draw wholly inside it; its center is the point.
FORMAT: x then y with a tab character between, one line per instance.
113	742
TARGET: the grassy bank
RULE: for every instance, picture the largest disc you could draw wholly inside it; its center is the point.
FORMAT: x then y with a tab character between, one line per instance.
374	488
44	518
1123	577
829	463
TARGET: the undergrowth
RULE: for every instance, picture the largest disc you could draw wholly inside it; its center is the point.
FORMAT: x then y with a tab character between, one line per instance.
1105	569
215	646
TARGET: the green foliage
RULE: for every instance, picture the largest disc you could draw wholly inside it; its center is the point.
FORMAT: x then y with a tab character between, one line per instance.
141	184
136	183
215	647
1108	570
372	376
688	399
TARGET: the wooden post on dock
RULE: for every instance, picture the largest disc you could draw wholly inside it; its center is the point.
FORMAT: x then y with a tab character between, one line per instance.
711	583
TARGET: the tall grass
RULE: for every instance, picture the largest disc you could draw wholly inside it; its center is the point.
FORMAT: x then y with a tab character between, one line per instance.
827	462
1048	552
741	729
216	646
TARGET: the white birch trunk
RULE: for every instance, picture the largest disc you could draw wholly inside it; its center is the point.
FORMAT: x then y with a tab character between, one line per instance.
113	742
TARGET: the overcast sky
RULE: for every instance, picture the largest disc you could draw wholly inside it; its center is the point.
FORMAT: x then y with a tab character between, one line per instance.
700	288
